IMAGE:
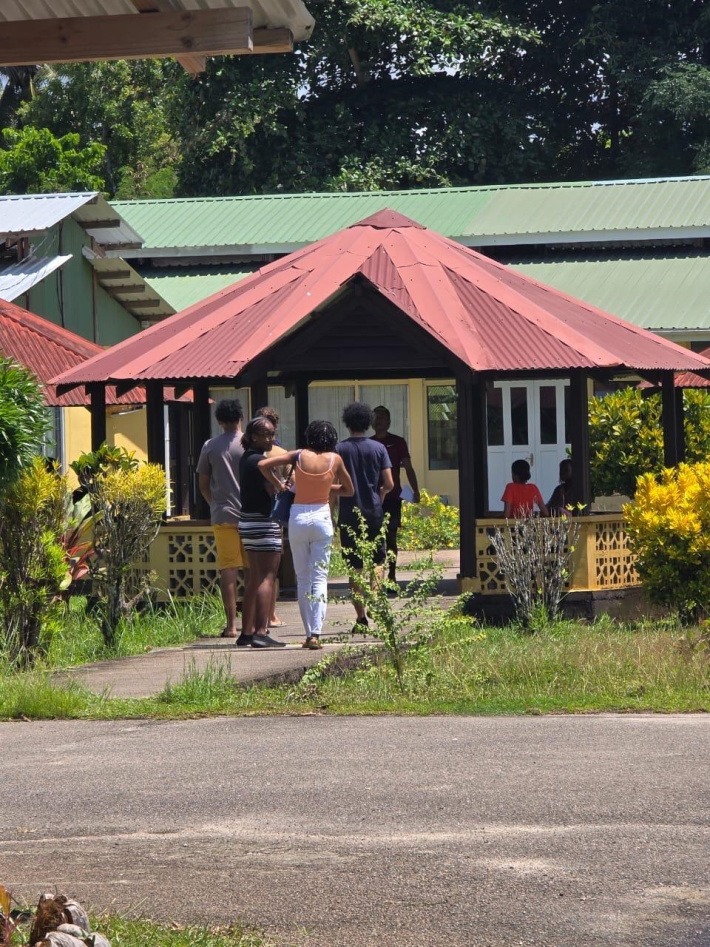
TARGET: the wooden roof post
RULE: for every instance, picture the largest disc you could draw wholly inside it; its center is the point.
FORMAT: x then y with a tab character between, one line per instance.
259	395
155	420
302	416
97	398
201	432
672	413
468	398
579	439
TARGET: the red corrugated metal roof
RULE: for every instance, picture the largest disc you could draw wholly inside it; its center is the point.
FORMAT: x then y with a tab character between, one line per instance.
491	317
48	349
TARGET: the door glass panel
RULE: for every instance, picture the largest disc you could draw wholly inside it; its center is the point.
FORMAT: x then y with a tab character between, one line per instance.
519	415
494	416
326	403
548	414
442	427
395	398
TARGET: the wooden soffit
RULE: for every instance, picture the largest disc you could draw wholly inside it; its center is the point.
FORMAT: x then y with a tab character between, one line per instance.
155	30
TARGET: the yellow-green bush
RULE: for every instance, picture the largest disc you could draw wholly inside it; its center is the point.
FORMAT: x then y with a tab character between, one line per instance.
32	561
430	524
669	530
128	505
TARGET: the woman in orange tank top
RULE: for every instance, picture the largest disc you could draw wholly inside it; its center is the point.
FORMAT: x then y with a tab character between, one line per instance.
318	474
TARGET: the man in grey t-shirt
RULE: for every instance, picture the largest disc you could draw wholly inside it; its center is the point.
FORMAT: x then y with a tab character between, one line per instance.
218	472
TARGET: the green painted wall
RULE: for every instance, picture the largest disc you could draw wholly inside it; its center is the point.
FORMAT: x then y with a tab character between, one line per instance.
66	297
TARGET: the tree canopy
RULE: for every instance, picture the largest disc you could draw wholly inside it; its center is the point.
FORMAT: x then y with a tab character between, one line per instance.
401	93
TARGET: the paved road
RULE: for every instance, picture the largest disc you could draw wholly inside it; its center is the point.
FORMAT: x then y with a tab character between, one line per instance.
554	831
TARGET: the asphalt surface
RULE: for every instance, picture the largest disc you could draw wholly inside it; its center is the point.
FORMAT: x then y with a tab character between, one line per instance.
372	831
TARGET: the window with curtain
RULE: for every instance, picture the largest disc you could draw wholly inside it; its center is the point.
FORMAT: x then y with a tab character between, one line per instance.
286	410
393	397
219	394
326	403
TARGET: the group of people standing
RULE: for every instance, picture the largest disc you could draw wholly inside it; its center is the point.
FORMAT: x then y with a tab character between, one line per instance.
240	472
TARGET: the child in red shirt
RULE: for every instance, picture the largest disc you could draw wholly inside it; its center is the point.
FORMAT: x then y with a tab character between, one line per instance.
519	497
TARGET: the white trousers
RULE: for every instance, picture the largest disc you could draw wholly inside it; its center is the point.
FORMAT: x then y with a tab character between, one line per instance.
310	533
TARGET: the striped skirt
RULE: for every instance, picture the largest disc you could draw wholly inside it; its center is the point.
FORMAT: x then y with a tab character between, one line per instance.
260	533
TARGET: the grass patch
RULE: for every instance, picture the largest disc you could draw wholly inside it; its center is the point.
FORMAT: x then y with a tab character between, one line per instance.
124	932
76	638
461	668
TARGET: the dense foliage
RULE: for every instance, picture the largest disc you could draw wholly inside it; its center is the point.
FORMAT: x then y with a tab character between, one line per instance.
23	419
33	565
626	437
127	502
669	530
429	524
401	93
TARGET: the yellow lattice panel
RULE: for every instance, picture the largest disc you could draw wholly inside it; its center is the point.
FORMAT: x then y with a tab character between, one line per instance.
613	560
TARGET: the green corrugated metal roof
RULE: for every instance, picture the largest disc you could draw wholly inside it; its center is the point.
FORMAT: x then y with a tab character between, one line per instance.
181	287
494	214
660	292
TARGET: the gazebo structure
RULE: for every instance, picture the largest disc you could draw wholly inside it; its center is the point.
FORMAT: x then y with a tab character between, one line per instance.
387	298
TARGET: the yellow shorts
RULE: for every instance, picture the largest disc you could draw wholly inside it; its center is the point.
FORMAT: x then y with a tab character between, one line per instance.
230	552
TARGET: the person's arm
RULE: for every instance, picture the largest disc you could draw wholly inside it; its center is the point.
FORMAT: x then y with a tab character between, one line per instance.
412	478
344	485
386	482
204	484
541	505
508	510
267	465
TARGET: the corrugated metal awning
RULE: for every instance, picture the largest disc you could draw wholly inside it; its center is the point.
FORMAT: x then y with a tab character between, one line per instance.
26	215
18	279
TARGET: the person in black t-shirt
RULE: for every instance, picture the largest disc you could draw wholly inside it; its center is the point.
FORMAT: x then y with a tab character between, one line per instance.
370	470
260	535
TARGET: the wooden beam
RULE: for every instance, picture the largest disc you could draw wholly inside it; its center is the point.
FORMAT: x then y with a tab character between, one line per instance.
272	41
111	275
107	224
97	401
190	62
579	439
127	36
467	420
124	387
143	303
672	416
129	290
201	432
155	422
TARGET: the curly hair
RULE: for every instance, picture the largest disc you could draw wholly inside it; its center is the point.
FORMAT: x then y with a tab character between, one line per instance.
271	414
521	470
357	416
321	437
256	424
229	411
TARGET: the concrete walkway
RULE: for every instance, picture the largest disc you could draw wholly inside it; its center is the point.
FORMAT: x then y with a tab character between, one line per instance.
146	674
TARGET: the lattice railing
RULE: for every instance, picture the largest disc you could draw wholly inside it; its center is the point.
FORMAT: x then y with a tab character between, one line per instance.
184	558
602	558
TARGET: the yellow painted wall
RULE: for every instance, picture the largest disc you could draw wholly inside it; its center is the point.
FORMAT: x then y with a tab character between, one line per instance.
122	430
128	429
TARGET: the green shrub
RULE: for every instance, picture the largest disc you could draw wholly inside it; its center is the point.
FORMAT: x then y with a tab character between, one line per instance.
669	530
128	502
625	440
429	524
23	419
33	565
626	437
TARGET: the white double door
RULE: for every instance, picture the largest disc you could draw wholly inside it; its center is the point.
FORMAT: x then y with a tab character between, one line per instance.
526	420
